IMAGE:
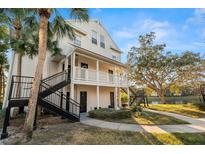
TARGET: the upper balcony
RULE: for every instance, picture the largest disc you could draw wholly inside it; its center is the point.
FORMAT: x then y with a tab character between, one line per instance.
91	70
92	76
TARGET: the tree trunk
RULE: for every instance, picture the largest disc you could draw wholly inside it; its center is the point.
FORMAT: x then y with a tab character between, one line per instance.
18	73
1	83
18	91
161	96
28	126
4	86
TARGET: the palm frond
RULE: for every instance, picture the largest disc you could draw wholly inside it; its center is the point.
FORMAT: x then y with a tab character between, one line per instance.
80	14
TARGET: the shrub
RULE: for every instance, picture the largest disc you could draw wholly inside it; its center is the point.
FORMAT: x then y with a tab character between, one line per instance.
110	113
124	98
136	108
2	112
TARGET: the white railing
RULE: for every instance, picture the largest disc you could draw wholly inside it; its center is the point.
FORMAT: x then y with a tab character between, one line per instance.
85	74
90	75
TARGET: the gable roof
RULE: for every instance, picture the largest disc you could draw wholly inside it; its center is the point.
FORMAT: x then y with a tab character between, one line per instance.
78	29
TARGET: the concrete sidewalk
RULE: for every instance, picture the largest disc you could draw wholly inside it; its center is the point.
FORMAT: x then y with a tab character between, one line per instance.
195	126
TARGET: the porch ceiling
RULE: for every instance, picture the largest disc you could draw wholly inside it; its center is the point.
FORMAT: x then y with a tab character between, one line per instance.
98	56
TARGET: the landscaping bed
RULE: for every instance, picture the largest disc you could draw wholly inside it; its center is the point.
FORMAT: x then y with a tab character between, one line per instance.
191	110
129	117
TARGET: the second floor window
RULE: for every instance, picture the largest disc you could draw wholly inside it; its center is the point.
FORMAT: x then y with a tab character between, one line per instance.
94	37
114	57
102	41
77	40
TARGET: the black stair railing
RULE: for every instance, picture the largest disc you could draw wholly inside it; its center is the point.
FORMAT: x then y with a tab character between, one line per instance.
58	78
60	100
55	97
22	82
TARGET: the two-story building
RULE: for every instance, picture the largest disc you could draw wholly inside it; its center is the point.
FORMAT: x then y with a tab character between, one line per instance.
97	74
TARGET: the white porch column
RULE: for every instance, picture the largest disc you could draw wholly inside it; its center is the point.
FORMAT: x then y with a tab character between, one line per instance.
98	96
115	100
73	66
97	69
128	95
72	91
115	75
119	93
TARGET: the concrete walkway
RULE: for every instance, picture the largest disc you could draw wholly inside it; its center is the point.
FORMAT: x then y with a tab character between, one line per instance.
195	126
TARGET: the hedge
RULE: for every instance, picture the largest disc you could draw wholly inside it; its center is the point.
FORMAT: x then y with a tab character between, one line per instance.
110	113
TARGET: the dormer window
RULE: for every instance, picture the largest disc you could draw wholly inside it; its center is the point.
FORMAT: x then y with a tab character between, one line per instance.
94	37
77	40
102	41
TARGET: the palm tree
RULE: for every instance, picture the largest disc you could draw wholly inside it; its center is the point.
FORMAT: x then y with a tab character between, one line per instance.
3	68
60	28
16	19
3	58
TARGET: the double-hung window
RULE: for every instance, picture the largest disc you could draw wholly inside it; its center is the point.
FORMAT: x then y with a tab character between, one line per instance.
94	37
102	41
77	40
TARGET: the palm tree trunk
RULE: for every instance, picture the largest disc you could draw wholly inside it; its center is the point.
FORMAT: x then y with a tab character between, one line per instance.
28	126
1	83
18	92
4	86
18	73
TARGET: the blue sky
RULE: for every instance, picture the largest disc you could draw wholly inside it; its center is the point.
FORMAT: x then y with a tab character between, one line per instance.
180	29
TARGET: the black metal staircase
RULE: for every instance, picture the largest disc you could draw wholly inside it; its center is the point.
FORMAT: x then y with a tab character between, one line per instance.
135	94
49	97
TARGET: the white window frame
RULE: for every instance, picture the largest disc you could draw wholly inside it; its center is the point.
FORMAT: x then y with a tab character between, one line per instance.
94	37
102	40
77	40
114	57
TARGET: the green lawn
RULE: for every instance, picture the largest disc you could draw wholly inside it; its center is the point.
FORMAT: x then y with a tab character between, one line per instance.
77	133
190	110
54	130
148	118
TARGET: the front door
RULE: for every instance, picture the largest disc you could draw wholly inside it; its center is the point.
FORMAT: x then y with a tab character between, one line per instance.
67	101
112	99
83	101
63	66
84	67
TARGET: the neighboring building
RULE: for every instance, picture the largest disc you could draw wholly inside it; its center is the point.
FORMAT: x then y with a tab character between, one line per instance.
97	73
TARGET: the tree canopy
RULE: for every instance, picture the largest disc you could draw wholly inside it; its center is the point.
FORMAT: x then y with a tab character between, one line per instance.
158	69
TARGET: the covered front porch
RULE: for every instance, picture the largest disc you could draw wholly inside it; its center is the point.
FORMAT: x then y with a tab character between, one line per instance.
93	97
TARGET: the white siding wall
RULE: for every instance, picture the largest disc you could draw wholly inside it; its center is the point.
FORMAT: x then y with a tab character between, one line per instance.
91	96
86	40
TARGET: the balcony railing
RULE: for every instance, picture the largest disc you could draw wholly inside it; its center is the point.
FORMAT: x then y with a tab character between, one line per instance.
90	75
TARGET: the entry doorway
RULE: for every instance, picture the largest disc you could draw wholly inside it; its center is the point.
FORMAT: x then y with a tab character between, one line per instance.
83	101
84	67
67	101
112	100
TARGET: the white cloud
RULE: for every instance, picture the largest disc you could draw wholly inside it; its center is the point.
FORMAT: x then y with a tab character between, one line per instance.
97	10
162	29
198	17
175	36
